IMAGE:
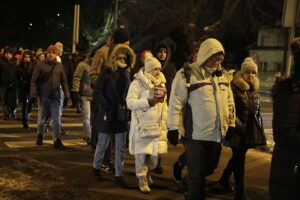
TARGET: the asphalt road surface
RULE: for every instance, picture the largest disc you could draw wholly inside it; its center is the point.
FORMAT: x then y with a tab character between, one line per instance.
42	172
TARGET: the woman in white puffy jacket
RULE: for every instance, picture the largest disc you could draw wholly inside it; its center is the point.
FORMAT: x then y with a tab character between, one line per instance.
146	99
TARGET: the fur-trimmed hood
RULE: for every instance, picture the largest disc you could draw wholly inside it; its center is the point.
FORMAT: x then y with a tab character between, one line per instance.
121	48
242	84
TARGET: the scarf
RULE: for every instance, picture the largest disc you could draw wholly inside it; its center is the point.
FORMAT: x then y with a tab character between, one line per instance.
155	81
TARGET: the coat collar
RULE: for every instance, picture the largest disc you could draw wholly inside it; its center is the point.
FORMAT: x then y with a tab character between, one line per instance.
242	84
141	76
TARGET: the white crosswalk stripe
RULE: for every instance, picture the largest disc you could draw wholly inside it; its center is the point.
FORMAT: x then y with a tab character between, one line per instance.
13	136
31	143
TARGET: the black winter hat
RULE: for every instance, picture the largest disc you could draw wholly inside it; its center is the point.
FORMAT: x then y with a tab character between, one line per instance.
7	50
121	35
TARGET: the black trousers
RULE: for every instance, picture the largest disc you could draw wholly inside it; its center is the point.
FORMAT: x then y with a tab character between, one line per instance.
26	108
10	100
202	160
237	165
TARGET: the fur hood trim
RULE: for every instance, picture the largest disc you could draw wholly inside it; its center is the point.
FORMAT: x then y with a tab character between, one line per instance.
121	48
242	84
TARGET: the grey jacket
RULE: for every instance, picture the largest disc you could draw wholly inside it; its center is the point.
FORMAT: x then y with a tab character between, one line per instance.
81	79
51	87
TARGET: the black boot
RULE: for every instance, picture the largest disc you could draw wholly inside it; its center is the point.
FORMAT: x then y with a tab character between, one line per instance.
5	112
224	181
58	144
39	139
241	195
158	169
119	181
96	173
25	124
177	171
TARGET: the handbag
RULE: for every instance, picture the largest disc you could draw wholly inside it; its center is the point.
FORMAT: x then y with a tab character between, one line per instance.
123	114
150	130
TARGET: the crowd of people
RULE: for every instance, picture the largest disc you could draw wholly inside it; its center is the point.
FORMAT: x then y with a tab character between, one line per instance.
148	101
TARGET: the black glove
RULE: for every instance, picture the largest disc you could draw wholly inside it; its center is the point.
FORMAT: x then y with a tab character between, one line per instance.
152	102
173	137
230	132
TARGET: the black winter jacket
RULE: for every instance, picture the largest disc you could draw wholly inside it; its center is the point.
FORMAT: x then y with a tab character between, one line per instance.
25	71
168	67
285	166
110	90
8	73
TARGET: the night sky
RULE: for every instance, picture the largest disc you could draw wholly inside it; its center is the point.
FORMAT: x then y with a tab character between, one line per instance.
30	23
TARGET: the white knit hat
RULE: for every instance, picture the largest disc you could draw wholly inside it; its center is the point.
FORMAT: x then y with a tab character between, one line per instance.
248	65
151	63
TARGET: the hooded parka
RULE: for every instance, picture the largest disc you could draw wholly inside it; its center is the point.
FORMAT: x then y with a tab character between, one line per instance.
111	89
209	106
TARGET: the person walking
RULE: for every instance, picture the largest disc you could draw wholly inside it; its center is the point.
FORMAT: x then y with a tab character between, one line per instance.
147	138
9	84
206	98
25	70
47	78
109	93
249	131
285	166
83	92
100	61
163	52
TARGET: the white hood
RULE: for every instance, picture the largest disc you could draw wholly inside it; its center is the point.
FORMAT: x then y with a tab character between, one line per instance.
207	48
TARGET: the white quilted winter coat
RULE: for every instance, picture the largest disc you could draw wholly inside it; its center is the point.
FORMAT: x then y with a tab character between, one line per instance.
139	91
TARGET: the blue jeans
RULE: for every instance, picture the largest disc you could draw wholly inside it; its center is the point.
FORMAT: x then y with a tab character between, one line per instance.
103	142
86	114
49	105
